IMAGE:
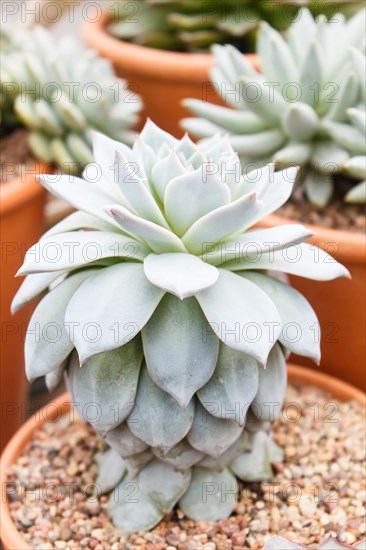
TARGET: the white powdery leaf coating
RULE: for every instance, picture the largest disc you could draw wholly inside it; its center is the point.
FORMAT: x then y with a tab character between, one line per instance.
74	249
202	502
32	286
240	315
108	311
181	274
179	325
47	342
298	317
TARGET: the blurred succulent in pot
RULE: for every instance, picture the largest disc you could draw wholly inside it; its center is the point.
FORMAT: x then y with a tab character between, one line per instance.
296	112
194	25
161	312
60	92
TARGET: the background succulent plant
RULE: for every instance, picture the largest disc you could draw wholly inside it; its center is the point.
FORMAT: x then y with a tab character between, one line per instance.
159	291
191	25
60	91
296	112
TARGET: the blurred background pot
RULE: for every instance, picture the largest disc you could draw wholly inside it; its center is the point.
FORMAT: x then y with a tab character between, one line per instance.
12	539
339	304
22	206
162	78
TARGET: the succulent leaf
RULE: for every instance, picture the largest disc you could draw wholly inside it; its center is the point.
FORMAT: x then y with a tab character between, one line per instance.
179	325
210	496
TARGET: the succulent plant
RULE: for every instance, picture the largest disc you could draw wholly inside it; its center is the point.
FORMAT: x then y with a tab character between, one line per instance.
331	543
61	92
296	111
161	312
191	25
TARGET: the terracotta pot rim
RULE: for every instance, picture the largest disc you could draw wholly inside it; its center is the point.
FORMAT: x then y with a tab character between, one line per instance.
152	62
22	189
12	539
352	246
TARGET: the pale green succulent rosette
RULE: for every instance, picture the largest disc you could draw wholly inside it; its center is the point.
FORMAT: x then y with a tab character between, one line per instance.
160	310
60	91
295	112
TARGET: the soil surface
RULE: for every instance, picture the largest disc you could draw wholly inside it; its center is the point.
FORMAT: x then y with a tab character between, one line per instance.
320	490
336	215
15	155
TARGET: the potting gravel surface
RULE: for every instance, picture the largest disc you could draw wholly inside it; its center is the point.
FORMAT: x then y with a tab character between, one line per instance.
320	490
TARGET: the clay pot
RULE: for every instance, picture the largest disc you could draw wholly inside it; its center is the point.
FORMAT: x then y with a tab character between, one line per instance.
162	78
339	304
12	539
22	205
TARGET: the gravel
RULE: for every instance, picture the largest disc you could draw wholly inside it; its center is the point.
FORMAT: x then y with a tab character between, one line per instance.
318	492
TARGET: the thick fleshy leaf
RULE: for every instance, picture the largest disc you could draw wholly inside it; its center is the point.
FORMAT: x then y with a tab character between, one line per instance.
211	495
241	445
189	197
231	389
254	465
47	343
104	151
293	153
163	484
136	462
356	167
140	504
157	418
357	194
54	378
221	223
346	136
182	457
252	244
111	308
158	238
260	144
277	61
229	119
131	510
240	315
304	260
112	469
164	171
179	325
276	192
108	381
319	188
78	248
300	121
136	192
79	220
298	318
211	435
122	440
180	274
155	137
267	404
80	194
32	286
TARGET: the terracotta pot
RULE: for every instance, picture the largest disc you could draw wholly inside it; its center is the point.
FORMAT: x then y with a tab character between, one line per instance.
22	204
12	539
162	78
339	304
